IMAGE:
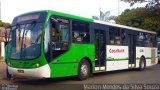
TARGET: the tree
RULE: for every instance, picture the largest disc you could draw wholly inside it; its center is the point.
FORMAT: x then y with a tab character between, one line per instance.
151	14
153	5
4	24
140	18
132	2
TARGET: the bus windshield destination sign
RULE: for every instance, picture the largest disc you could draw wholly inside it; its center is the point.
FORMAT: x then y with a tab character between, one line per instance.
28	17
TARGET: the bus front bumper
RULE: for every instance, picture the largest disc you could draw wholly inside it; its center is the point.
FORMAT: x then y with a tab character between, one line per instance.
41	72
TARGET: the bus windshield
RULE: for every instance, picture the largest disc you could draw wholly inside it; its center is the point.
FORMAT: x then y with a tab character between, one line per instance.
26	33
25	41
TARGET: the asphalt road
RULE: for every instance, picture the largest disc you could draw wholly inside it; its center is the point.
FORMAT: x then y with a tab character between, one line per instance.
127	77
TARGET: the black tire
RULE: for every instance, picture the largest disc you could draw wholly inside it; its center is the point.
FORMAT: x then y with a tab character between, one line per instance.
84	70
142	64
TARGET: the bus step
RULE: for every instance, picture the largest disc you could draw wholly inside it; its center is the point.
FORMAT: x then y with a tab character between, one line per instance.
97	71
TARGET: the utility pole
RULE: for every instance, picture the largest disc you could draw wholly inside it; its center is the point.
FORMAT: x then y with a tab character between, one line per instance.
118	8
100	13
0	10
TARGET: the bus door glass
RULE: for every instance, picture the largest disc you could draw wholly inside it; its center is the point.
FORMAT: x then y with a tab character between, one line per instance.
132	48
100	47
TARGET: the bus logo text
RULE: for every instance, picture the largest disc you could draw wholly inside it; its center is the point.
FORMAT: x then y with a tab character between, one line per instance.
116	50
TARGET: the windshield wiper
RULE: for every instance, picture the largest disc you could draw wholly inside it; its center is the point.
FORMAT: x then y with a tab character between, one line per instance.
31	28
19	33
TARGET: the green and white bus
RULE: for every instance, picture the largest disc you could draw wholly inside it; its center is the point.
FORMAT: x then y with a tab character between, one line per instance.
50	44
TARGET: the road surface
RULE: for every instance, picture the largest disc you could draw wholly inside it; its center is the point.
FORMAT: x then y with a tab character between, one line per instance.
123	77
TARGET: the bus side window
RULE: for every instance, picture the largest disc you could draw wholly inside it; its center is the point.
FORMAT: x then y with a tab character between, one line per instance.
54	33
80	32
140	39
111	37
55	36
114	36
148	40
123	37
60	33
154	41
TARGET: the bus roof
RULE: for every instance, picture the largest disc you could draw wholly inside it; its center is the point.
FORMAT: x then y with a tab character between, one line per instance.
51	12
122	26
70	16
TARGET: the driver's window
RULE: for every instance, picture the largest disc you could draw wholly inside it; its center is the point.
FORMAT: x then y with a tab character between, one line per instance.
54	33
59	33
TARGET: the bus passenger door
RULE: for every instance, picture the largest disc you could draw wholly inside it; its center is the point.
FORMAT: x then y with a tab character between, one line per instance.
132	50
100	48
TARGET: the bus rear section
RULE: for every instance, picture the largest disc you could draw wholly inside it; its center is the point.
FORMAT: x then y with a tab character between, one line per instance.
120	47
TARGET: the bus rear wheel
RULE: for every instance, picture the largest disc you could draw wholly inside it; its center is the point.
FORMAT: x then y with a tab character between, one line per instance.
142	64
84	70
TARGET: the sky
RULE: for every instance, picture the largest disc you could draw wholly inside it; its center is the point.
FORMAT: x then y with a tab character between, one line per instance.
84	8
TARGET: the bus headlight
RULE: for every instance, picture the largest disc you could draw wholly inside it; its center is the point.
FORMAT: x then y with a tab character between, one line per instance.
37	64
8	63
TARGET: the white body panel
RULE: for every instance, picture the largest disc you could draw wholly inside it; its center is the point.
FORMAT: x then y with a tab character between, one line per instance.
116	65
143	51
148	62
43	71
99	68
146	51
116	52
149	53
118	56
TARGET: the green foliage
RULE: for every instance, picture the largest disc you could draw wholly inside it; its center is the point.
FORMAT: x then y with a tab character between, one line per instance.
112	18
140	18
132	2
153	5
4	24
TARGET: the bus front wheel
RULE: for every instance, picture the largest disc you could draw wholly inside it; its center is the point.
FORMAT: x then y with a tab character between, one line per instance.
142	64
84	70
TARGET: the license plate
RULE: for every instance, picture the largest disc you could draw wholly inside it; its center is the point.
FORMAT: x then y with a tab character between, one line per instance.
20	71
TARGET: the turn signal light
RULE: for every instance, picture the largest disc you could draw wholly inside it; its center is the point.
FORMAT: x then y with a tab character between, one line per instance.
8	63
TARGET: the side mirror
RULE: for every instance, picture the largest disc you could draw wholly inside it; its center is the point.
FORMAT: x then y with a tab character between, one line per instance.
7	34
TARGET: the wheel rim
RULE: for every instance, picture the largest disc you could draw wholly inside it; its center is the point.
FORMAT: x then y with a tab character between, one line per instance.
142	64
84	70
